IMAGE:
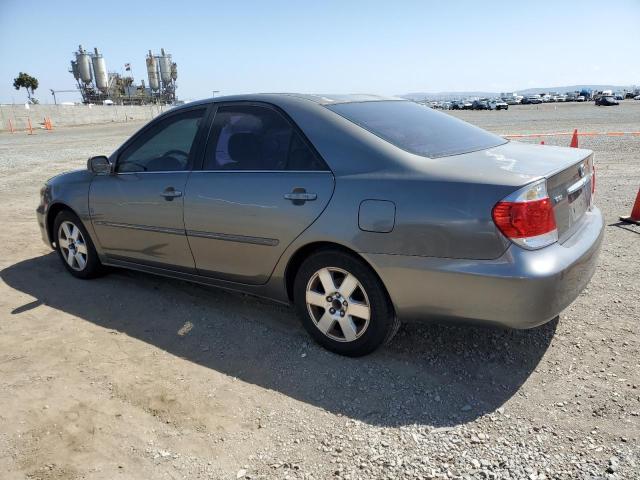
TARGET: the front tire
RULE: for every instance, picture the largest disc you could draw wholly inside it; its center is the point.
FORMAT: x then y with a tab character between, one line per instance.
75	247
343	304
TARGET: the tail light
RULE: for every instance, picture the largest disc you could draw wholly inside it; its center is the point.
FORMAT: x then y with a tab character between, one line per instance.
526	217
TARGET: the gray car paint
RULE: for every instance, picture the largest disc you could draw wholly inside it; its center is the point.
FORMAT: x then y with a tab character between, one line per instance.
519	289
132	220
69	189
239	223
377	216
442	231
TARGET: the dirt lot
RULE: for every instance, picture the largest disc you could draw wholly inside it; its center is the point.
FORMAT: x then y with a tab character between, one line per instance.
135	376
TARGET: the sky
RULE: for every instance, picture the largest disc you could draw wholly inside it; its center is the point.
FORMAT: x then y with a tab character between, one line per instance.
388	48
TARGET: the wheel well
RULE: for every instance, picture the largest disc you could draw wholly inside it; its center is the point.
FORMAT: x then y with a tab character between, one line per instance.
52	213
303	253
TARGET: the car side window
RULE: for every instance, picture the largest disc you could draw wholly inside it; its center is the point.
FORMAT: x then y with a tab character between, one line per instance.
166	147
249	137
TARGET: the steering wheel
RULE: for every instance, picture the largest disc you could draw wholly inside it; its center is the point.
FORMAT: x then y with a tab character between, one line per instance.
143	168
177	160
171	153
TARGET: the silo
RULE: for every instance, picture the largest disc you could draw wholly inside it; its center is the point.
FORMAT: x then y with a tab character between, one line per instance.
84	65
100	71
152	72
74	70
174	71
165	67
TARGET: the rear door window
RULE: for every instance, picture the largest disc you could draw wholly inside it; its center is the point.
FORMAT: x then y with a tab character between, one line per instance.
252	137
416	128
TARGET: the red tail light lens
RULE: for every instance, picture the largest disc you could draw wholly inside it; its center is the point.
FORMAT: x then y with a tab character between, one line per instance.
526	217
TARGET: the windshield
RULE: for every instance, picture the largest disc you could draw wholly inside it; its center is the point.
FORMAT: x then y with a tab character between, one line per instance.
416	128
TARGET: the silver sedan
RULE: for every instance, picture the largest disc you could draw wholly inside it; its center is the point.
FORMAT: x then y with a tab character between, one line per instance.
360	210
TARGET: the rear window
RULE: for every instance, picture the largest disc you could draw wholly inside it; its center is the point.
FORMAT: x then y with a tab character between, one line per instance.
417	129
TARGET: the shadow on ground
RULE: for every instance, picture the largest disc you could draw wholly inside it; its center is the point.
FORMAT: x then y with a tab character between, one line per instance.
438	375
625	226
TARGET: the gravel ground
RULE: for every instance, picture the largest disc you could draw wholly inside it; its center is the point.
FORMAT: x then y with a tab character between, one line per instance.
135	376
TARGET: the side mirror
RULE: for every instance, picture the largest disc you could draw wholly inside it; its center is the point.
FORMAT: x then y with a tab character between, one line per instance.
99	165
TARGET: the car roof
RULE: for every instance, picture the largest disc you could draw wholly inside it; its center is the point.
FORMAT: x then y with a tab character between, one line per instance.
319	99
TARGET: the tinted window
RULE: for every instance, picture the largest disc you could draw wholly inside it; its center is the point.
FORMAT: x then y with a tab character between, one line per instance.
166	147
247	137
416	128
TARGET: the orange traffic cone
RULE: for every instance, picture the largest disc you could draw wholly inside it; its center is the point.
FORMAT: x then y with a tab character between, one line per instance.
574	139
635	212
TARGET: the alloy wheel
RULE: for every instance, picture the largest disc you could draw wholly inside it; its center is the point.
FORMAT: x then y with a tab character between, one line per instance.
338	304
72	245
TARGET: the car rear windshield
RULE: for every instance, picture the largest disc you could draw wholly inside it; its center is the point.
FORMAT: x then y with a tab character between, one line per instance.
416	128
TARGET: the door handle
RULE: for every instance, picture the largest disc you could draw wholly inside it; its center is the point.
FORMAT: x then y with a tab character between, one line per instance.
170	193
299	195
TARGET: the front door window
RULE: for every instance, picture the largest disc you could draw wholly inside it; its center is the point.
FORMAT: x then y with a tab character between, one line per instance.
166	147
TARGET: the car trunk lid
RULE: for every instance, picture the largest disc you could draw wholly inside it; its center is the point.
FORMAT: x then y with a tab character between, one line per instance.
514	164
568	174
570	191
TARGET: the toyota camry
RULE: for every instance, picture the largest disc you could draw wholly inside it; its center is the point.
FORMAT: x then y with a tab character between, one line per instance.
361	211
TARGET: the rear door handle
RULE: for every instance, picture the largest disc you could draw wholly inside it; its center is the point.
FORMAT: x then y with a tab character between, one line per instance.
299	195
170	193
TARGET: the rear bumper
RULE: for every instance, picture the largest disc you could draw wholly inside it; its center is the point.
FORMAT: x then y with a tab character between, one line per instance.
520	289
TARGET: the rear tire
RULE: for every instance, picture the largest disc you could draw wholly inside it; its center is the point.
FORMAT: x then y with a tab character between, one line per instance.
75	247
343	304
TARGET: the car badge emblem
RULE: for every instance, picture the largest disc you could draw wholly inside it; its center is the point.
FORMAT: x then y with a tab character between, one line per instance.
581	170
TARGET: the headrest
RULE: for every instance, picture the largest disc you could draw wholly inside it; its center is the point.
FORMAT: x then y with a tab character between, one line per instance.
244	148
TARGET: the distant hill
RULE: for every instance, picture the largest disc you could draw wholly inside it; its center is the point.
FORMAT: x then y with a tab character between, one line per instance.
527	91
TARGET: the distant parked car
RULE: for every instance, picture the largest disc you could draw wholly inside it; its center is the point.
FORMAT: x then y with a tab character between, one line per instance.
581	98
588	94
531	99
461	105
482	104
606	101
513	100
637	97
499	105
